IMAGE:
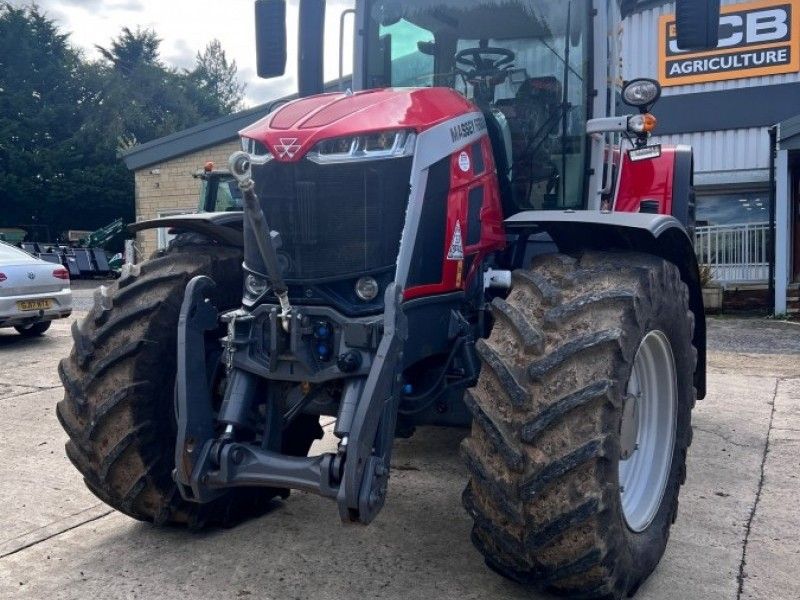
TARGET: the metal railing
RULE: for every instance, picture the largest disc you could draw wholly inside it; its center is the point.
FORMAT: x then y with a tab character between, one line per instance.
734	253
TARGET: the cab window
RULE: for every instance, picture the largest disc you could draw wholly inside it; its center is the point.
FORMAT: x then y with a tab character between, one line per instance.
524	63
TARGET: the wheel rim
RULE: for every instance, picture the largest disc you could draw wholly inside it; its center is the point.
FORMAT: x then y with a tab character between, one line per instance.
650	418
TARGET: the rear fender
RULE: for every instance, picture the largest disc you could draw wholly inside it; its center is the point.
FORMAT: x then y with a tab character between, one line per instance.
659	235
666	182
225	228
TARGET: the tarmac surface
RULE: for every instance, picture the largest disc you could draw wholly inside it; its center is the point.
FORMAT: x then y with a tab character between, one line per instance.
737	535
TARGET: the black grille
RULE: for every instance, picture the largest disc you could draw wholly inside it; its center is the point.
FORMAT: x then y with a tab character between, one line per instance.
334	220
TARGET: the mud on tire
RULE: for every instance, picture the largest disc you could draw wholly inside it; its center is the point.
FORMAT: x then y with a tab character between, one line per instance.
544	449
119	381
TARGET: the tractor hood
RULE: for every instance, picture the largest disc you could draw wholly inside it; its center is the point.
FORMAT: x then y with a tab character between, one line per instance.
291	131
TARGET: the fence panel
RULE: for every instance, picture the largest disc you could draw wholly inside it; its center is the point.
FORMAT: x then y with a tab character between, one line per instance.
734	253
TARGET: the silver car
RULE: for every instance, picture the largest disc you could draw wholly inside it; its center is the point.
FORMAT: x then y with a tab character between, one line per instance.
32	292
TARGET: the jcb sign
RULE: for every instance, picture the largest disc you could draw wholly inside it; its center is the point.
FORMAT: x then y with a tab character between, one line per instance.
756	39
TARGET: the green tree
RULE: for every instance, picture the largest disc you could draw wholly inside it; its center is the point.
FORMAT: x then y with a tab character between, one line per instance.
44	99
63	119
217	79
133	50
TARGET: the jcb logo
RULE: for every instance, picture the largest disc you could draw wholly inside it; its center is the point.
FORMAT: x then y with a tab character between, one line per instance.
748	28
755	39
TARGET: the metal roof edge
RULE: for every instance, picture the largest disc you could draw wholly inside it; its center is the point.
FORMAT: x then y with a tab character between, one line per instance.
207	134
788	130
195	138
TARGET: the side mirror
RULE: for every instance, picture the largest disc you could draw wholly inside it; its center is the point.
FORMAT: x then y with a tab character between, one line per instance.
697	22
271	38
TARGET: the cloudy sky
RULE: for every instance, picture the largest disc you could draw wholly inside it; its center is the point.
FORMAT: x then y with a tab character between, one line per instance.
186	26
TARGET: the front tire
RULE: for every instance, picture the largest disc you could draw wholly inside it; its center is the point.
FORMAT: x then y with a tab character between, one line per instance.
553	411
119	381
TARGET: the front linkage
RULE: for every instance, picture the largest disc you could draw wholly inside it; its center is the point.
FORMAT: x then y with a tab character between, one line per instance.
209	462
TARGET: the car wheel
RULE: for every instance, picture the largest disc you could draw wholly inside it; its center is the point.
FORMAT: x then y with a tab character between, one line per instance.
34	330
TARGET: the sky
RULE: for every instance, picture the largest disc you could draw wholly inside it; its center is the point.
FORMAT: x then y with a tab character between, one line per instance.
186	26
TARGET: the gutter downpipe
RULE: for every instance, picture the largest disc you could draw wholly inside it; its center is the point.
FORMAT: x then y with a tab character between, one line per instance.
773	150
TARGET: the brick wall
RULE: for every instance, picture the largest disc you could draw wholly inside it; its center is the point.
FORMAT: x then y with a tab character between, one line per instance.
169	186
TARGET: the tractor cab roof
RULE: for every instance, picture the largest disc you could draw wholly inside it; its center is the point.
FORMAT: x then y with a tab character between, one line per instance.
478	19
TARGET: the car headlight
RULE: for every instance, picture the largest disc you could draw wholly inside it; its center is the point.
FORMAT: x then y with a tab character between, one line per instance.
259	153
370	146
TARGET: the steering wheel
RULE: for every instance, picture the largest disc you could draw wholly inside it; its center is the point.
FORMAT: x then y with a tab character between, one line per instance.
484	69
485	61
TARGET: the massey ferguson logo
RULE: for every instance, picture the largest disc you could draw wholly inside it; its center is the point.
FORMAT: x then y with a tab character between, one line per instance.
755	40
288	148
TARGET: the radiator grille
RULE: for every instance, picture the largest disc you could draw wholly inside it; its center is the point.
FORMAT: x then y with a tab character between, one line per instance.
335	220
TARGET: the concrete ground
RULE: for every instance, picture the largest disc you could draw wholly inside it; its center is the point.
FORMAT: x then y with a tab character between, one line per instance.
737	534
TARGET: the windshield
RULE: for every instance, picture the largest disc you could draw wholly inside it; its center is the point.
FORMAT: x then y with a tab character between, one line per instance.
524	62
10	254
220	194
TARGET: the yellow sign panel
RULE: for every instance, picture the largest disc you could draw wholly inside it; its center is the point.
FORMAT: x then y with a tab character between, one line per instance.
756	39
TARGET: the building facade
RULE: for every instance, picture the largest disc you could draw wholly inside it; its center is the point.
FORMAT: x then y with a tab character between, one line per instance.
724	103
165	170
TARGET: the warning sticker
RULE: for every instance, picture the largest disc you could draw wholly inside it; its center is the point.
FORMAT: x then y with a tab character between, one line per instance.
464	162
456	251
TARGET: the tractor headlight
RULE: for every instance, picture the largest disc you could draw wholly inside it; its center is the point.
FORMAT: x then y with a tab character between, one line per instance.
367	289
255	286
641	93
259	153
370	146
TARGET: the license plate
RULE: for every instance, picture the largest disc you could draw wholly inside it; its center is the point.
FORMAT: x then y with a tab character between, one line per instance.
645	153
35	304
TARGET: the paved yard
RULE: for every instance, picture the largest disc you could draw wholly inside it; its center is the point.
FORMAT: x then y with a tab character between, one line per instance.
737	535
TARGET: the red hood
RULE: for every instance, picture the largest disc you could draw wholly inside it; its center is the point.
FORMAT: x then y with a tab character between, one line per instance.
295	128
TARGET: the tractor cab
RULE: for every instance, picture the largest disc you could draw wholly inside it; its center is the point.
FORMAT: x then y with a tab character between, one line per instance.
218	190
525	64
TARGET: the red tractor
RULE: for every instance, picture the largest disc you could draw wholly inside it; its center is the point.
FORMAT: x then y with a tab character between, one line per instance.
470	238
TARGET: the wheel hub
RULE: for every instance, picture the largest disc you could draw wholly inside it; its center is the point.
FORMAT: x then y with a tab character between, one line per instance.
647	431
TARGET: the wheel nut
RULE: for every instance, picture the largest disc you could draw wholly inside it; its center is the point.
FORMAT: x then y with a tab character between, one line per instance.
237	456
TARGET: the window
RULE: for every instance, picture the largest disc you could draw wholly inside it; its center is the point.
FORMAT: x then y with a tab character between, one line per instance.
523	62
163	235
733	209
10	253
224	195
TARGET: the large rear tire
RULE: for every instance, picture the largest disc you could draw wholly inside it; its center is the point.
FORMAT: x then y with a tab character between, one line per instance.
119	380
561	399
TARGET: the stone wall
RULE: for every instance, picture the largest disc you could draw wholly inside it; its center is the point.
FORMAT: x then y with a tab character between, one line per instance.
169	187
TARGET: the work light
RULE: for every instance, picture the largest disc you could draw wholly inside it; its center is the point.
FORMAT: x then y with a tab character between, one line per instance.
641	93
367	289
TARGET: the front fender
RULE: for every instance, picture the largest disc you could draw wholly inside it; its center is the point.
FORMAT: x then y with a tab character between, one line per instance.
222	227
660	235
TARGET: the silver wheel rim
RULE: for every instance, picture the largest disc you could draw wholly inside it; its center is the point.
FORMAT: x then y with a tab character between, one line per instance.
652	388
